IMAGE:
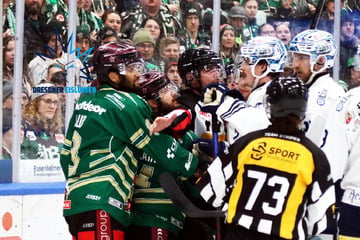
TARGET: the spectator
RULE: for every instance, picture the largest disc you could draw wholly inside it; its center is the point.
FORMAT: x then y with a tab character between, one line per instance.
169	47
348	41
133	19
83	42
145	45
58	11
326	21
8	64
9	18
251	27
33	28
207	15
112	19
55	53
283	32
106	35
192	36
153	25
237	18
172	72
43	114
7	134
352	78
93	20
228	45
52	69
59	80
8	100
267	29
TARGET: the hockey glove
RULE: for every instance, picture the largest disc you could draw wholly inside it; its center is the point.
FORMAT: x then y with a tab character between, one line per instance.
206	146
212	97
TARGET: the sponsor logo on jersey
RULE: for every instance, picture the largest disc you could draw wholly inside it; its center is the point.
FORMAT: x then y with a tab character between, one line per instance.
176	222
93	197
259	151
321	98
88	106
115	203
284	153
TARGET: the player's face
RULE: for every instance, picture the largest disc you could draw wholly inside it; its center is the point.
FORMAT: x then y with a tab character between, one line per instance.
209	75
168	96
246	79
132	75
301	66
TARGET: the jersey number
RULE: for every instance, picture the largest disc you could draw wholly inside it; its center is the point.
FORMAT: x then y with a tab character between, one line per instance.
263	181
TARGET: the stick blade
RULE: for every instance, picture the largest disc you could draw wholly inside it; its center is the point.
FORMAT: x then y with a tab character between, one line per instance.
179	199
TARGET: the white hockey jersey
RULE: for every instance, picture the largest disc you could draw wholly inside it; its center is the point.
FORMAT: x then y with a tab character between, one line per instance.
351	181
256	97
241	118
321	122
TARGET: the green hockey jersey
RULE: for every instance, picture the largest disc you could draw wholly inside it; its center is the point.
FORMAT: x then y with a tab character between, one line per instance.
152	206
107	134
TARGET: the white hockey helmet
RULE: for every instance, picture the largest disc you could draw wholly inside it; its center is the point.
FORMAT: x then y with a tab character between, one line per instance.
315	43
270	49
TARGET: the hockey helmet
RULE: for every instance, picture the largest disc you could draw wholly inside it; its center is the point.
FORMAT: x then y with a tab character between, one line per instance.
269	49
315	43
152	83
185	64
116	56
205	59
286	96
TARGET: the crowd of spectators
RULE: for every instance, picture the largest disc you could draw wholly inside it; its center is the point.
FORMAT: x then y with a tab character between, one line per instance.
160	31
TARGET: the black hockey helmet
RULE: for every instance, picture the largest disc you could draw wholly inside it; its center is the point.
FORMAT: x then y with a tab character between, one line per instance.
204	58
185	64
286	96
116	56
151	83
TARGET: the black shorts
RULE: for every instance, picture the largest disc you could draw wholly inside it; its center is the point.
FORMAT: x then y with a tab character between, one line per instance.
135	232
94	225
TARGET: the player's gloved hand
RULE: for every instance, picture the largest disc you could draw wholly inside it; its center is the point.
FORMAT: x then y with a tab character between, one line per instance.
212	97
182	121
206	146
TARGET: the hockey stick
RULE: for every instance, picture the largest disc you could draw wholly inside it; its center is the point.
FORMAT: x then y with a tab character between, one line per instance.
319	9
215	137
174	192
